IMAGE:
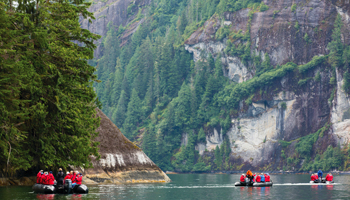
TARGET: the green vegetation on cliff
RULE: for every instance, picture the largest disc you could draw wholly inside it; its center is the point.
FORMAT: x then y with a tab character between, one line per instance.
163	94
46	93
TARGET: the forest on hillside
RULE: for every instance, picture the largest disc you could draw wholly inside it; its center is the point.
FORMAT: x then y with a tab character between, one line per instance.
154	92
46	96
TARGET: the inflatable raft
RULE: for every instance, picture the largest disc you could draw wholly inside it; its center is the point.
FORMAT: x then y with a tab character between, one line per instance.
322	182
66	189
264	184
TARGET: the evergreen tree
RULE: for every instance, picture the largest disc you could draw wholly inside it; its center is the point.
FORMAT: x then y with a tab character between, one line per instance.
133	115
336	46
118	116
47	99
218	157
201	136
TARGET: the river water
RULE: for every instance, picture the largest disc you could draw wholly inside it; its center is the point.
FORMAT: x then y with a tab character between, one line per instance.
202	186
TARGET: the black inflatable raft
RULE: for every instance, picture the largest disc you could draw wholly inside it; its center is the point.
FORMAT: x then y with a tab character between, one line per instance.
249	184
66	189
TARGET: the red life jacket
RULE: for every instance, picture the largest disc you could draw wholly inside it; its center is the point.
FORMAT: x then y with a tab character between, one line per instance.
312	177
258	178
44	179
242	179
267	178
79	179
38	178
73	178
329	178
50	179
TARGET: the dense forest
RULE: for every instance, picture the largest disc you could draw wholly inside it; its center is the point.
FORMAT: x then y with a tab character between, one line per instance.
46	96
154	92
150	86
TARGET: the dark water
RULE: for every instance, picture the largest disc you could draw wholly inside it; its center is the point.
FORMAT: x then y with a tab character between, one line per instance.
202	186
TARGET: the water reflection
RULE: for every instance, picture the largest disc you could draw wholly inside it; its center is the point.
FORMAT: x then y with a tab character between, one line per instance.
45	196
201	186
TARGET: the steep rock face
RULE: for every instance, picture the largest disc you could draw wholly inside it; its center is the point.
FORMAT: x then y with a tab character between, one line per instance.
256	131
121	161
114	12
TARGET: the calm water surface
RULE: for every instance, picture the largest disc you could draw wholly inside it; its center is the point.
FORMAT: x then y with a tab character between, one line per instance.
202	186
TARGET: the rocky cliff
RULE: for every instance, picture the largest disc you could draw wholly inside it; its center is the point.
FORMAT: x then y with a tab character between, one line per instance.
258	128
117	13
121	161
283	102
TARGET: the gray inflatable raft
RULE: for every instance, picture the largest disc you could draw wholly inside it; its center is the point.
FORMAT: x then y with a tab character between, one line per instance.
248	184
322	183
46	189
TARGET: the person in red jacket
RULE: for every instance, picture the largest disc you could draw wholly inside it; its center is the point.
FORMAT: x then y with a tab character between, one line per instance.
329	177
50	179
267	177
74	175
38	176
68	176
79	179
258	178
313	177
242	179
44	178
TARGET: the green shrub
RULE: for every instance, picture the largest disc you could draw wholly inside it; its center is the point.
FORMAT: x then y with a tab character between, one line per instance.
294	7
306	38
316	60
222	32
130	7
346	86
332	96
263	7
284	144
296	26
318	77
303	81
284	105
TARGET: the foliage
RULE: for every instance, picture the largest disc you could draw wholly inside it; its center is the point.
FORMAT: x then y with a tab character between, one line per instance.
201	136
47	99
316	60
296	26
294	7
303	81
171	95
263	7
336	46
306	38
284	105
305	144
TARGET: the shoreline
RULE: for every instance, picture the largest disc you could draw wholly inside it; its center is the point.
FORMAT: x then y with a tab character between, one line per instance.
270	172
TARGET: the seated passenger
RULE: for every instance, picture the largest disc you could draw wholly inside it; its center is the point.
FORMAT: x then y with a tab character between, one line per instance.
258	179
250	175
329	177
313	178
267	177
74	178
68	176
79	179
38	176
242	179
262	178
44	178
50	179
